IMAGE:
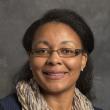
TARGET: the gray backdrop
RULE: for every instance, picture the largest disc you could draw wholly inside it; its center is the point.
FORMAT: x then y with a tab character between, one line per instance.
17	15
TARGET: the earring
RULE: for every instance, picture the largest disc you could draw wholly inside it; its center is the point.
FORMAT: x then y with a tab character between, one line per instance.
82	69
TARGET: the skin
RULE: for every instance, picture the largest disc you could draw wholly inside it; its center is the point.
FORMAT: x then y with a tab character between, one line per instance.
57	35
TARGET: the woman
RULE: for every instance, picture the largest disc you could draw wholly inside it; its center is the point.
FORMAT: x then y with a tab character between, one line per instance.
60	73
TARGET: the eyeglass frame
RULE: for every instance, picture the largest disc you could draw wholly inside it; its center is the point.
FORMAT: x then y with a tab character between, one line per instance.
76	52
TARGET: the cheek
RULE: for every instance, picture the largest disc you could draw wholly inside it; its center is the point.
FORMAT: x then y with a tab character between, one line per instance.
74	67
74	64
37	64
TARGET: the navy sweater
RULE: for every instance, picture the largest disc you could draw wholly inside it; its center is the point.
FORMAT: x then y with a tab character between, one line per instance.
11	103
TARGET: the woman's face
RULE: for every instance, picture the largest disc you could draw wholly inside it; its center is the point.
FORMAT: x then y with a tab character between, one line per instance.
55	73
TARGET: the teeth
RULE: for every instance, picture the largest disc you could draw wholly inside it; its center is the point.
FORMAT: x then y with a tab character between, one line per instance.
54	74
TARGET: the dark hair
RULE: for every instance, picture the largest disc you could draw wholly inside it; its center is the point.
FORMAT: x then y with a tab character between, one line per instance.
76	22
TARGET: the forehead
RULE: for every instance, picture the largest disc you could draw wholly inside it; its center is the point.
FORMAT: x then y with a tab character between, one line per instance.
55	33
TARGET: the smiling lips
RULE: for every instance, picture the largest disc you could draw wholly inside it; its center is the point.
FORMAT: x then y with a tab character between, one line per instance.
54	75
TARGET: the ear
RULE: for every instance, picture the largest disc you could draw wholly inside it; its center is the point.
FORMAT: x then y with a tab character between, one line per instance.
84	61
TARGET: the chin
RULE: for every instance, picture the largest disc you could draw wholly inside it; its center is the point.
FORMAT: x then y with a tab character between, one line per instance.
57	89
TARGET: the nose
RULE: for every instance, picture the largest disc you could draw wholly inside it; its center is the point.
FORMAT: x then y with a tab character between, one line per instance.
54	59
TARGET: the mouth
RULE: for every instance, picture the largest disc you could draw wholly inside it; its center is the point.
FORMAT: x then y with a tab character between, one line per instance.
54	75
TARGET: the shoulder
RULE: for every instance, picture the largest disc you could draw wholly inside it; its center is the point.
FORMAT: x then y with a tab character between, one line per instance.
95	108
10	103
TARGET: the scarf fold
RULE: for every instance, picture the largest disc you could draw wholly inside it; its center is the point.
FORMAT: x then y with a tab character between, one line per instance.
31	99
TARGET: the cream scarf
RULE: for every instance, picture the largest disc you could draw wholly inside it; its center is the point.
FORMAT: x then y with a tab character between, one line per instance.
31	98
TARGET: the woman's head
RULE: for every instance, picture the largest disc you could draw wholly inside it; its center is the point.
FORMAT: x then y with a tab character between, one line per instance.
57	31
57	57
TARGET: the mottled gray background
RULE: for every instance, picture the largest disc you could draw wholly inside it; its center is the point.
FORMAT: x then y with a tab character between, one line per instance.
17	15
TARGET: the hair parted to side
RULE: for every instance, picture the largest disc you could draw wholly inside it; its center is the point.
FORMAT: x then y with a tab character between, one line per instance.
77	23
65	16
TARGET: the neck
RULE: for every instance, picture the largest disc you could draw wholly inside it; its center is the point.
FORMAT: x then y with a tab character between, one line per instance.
60	101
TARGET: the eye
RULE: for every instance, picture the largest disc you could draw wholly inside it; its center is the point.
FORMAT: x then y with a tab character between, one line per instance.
67	51
78	51
40	51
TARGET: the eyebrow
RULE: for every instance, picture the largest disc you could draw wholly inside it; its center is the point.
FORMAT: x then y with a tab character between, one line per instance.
46	43
39	42
68	42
